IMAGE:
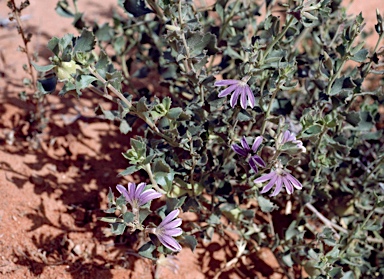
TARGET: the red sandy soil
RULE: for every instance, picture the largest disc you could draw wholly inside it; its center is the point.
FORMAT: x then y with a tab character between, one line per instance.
54	185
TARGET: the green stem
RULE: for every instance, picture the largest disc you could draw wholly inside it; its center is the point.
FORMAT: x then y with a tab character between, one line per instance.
336	75
110	87
325	220
209	69
124	66
16	15
357	228
278	38
191	180
345	58
380	161
102	94
148	170
265	54
129	105
318	144
188	62
267	114
227	20
374	51
157	10
75	5
366	72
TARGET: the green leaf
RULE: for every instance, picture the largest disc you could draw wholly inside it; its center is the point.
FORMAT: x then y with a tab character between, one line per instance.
337	86
104	33
68	86
146	250
287	259
118	228
244	116
174	203
149	159
167	103
289	146
78	21
380	204
85	43
265	204
135	7
197	42
111	219
110	196
65	42
161	166
139	146
213	220
53	45
174	113
336	272
115	79
190	241
102	63
85	81
141	105
128	217
312	130
110	210
353	118
62	9
109	115
348	275
360	56
143	214
220	10
121	202
373	227
229	51
124	127
366	121
42	68
128	171
291	231
165	179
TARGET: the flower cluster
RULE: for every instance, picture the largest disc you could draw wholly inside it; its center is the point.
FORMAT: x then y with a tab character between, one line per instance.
254	160
240	89
279	177
137	196
168	228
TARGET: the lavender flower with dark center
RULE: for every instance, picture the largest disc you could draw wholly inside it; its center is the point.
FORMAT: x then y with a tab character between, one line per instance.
289	136
238	88
137	196
280	178
169	228
244	150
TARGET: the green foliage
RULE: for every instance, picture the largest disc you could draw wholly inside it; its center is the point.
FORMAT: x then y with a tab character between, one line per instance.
297	71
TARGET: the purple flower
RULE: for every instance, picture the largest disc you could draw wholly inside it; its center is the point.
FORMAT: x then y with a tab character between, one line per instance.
239	88
280	178
136	196
169	228
289	136
244	150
